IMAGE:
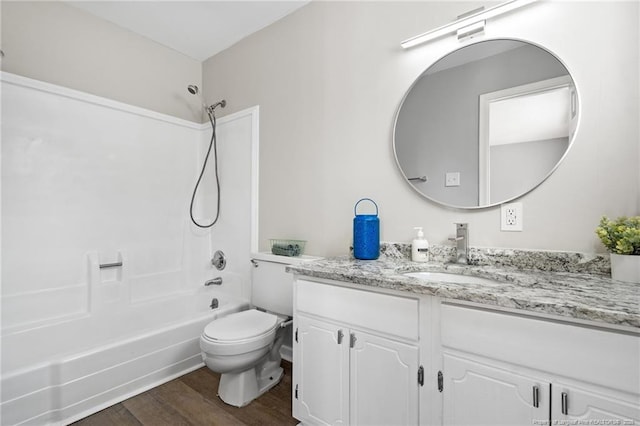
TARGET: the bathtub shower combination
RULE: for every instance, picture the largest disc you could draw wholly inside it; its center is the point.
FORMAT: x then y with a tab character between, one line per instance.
89	182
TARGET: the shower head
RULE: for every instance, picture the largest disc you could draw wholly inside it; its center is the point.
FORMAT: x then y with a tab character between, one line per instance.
193	89
222	104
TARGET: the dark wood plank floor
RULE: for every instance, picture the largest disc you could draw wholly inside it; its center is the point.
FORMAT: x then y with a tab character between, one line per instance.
192	400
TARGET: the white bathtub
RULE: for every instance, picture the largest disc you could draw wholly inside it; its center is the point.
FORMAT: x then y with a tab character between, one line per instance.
58	373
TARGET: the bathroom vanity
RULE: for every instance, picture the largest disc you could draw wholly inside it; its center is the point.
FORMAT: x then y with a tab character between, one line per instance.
356	355
462	345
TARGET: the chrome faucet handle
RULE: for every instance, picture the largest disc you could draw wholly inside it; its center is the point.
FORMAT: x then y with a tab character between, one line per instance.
461	231
219	261
461	226
462	243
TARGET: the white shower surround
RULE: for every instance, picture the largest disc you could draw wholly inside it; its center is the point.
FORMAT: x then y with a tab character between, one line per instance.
86	180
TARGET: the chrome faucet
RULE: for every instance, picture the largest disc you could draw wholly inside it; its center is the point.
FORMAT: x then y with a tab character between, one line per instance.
215	281
462	243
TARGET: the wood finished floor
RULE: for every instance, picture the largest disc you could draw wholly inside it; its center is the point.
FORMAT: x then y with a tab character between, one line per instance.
192	400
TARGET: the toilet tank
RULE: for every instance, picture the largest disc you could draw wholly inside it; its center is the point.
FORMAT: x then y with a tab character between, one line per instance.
271	286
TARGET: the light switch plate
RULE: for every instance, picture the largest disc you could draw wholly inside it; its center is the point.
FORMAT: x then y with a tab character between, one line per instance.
452	179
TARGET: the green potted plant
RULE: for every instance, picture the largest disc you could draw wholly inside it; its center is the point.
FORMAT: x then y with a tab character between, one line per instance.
622	238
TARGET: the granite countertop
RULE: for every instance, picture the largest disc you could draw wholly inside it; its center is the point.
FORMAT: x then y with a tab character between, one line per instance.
575	295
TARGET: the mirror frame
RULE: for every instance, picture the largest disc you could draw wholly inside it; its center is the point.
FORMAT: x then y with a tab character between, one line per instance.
572	138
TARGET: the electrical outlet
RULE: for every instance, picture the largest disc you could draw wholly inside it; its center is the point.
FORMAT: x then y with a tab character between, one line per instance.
511	217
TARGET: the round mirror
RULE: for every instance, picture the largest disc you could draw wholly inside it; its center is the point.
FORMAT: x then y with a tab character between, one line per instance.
486	124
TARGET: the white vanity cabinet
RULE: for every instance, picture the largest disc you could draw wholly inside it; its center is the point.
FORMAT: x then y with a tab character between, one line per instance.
476	393
356	356
503	368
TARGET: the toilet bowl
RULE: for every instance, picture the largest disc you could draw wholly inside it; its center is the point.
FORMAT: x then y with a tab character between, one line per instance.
244	347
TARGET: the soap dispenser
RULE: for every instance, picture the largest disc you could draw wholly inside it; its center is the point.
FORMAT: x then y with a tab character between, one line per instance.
419	247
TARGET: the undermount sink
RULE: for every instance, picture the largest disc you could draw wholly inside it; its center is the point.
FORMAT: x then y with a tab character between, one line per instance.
449	278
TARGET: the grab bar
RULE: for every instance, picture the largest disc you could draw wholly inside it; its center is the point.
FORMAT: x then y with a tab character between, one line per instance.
420	178
110	265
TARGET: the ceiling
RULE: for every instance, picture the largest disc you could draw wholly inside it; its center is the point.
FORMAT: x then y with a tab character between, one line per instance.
199	29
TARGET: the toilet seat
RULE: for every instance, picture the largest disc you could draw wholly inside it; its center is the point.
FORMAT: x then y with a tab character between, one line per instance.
240	326
240	332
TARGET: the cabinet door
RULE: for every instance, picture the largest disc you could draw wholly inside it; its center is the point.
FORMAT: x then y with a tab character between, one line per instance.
321	372
384	381
572	405
478	394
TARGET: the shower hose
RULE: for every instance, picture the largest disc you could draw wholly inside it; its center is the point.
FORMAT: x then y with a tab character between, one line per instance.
213	143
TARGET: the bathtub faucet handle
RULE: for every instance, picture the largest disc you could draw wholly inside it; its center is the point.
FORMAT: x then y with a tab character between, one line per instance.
219	260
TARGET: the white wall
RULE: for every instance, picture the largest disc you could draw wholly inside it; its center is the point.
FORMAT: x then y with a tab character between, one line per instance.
54	42
329	79
86	180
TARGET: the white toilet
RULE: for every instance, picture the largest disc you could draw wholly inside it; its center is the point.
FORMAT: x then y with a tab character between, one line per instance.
245	346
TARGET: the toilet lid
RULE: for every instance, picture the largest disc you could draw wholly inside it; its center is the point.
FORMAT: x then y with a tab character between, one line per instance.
241	325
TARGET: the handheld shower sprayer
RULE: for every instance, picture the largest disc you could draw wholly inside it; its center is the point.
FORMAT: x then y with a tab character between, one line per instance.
222	104
193	89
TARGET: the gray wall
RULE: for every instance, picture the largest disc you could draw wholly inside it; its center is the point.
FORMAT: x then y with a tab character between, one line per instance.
60	44
329	79
438	124
517	166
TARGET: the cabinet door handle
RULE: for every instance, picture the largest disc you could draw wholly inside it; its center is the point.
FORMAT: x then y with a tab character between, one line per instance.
564	400
536	397
340	336
352	340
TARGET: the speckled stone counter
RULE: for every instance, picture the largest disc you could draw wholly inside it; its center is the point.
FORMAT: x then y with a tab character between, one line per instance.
585	295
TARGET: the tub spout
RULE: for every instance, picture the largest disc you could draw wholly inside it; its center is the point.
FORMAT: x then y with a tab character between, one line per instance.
215	281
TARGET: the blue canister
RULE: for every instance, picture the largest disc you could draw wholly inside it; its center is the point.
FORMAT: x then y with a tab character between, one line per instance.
366	233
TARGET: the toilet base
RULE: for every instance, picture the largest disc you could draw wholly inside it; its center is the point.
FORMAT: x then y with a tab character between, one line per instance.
239	389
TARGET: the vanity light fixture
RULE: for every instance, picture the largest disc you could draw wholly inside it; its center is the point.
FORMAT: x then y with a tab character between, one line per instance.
466	25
